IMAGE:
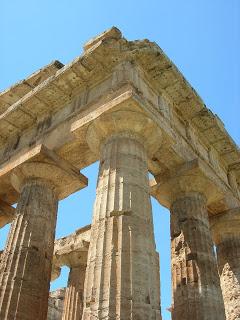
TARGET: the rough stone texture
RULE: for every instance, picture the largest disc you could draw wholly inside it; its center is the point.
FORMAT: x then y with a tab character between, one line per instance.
55	304
228	253
226	234
20	89
71	250
73	304
122	273
26	263
7	213
195	281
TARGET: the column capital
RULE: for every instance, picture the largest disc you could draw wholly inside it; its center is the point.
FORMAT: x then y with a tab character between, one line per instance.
225	225
183	181
43	164
128	123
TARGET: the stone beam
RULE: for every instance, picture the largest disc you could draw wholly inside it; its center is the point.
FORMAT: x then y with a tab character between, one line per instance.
76	243
7	213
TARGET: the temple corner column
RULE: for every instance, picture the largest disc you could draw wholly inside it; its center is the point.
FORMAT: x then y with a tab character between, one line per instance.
120	277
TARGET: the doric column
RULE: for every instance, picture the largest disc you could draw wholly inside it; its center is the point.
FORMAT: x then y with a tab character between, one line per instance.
122	277
226	234
27	259
73	303
196	291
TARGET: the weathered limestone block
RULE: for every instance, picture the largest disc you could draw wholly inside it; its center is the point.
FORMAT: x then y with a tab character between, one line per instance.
7	213
226	234
122	277
70	250
27	259
55	304
196	288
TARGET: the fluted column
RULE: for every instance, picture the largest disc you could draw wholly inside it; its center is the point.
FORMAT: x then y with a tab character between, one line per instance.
123	272
26	263
122	275
73	302
187	190
42	178
226	234
195	279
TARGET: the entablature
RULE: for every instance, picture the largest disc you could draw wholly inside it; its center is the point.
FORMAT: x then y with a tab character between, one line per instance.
110	71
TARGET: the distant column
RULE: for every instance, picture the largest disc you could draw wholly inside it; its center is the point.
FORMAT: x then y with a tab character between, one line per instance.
73	303
226	233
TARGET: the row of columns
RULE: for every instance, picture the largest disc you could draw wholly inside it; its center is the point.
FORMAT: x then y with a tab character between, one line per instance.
122	273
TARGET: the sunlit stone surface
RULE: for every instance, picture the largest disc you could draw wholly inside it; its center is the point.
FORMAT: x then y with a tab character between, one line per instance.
126	104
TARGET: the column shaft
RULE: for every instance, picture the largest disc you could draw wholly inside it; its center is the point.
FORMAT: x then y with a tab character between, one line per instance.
122	273
195	280
26	262
228	255
73	303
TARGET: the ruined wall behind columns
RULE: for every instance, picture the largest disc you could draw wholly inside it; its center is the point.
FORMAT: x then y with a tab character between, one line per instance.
55	304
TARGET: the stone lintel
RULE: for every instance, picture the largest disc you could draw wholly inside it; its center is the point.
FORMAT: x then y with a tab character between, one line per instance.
225	224
7	213
71	250
192	176
39	162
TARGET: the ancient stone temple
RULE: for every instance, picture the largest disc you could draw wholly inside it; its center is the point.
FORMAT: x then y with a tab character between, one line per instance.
125	104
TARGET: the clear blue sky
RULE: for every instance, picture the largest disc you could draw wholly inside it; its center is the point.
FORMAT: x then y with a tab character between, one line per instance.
202	37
